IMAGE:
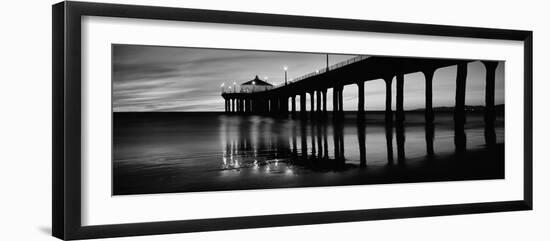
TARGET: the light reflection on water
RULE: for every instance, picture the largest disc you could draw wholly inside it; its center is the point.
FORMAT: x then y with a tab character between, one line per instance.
205	152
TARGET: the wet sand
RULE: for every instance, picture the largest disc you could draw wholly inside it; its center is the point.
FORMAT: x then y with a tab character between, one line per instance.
189	152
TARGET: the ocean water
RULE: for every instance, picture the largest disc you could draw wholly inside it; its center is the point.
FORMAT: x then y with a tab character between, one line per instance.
189	152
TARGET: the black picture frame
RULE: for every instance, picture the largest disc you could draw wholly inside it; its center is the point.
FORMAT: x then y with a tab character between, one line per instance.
66	159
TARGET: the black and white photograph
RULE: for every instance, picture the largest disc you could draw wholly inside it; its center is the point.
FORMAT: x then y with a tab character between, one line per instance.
188	119
275	120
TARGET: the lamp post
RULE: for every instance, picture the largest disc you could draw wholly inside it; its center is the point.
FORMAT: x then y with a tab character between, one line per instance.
221	86
234	86
253	85
285	74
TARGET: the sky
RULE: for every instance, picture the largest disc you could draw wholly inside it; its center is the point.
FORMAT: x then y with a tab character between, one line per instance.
180	79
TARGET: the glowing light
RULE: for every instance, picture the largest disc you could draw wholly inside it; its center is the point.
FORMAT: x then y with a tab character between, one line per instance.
286	68
289	171
253	82
222	85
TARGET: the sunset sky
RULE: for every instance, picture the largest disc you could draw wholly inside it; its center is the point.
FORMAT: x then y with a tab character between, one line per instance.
153	78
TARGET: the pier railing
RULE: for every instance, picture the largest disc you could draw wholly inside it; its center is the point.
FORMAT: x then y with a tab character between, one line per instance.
317	72
323	70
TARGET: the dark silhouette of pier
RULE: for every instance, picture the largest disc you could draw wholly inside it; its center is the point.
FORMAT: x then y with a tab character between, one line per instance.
358	70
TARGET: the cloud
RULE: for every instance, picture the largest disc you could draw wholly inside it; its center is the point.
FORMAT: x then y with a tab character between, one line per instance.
153	78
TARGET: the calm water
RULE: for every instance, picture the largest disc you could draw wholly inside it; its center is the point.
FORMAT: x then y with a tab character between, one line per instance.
186	152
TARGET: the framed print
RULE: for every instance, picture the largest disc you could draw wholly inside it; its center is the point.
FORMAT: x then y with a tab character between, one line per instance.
217	120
